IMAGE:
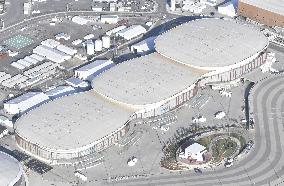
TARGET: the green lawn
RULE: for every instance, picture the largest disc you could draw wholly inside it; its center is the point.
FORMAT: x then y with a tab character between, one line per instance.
223	148
205	141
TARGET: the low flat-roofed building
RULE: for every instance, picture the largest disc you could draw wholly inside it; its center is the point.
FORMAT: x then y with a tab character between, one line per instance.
109	19
66	49
11	171
131	32
211	43
91	70
193	152
80	20
115	30
72	126
51	54
145	80
6	122
269	12
51	43
77	83
25	102
60	91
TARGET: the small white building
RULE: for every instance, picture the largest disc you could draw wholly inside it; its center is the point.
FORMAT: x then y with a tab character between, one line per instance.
6	122
97	8
211	2
37	57
51	43
193	152
76	42
89	71
80	20
17	65
60	91
144	47
173	5
62	35
112	7
27	8
89	36
25	102
115	30
106	41
109	19
131	32
51	54
90	47
227	9
31	60
67	50
98	45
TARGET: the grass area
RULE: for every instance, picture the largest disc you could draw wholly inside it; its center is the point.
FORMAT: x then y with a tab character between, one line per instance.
240	138
223	148
170	151
205	141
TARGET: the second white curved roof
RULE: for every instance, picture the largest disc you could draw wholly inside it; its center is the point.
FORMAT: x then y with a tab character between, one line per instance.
210	43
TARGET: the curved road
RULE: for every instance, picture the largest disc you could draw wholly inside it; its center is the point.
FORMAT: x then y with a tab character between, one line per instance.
265	163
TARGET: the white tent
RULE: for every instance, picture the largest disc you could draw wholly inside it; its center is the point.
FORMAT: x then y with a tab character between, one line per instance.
80	20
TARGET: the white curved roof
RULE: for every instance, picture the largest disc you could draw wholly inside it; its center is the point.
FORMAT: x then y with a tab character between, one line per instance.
210	43
72	121
145	80
10	169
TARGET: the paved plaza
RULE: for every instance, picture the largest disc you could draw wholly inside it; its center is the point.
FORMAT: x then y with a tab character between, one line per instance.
18	41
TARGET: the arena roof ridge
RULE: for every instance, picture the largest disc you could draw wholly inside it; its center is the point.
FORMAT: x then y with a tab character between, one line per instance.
145	80
66	123
210	43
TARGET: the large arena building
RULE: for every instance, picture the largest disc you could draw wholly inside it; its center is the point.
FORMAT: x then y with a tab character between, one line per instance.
188	57
11	171
269	12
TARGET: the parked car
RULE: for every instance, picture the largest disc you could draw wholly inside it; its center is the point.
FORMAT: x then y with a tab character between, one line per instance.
228	164
230	160
197	170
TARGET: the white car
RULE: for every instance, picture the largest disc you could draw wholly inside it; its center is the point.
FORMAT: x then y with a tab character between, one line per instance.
132	161
230	160
228	164
165	128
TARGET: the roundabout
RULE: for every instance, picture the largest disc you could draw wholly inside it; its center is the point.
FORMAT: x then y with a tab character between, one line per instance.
263	165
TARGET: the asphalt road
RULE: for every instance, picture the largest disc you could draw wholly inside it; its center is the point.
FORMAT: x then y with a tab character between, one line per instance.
15	12
265	163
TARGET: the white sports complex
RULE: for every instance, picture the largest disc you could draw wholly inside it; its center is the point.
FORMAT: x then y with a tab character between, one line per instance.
187	57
